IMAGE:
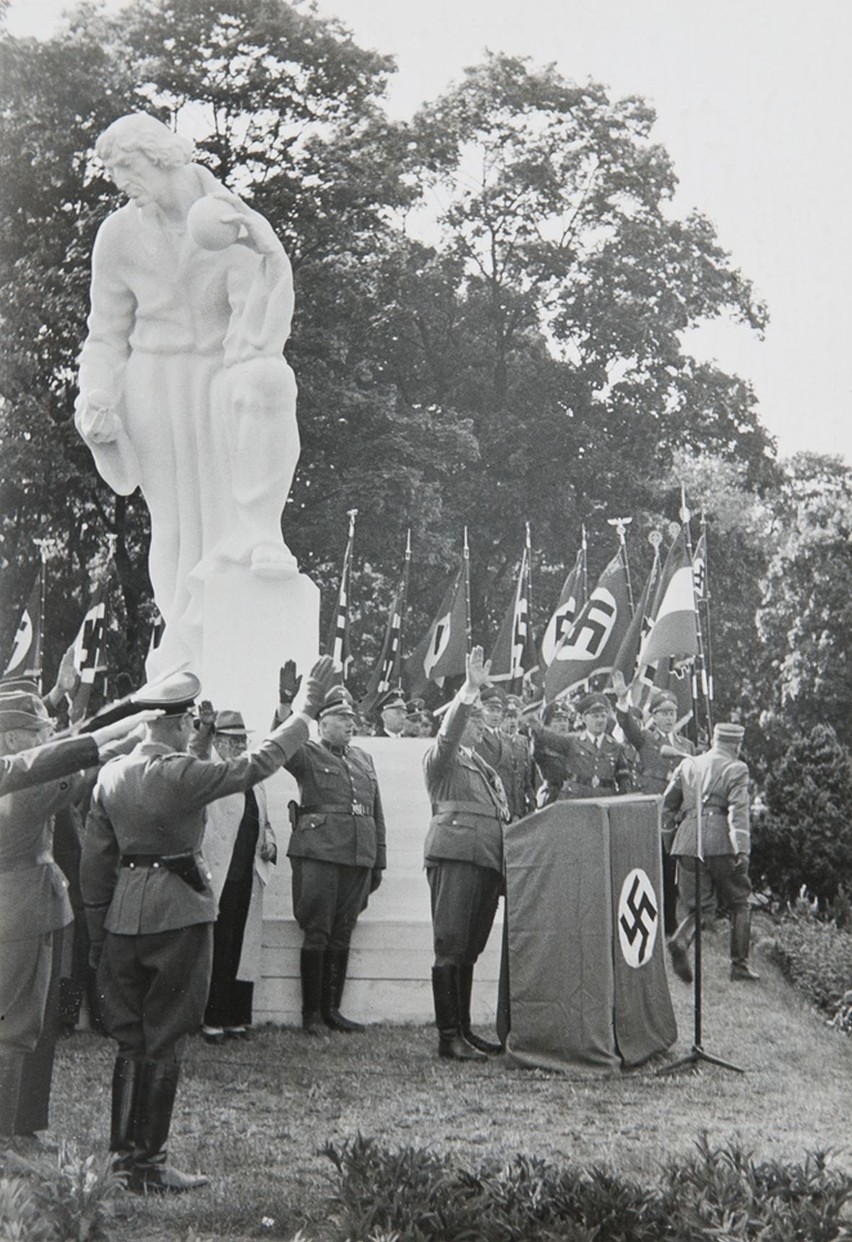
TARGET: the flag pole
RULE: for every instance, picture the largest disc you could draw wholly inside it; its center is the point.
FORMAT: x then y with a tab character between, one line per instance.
584	559
621	525
696	1053
43	546
708	683
699	671
467	621
403	603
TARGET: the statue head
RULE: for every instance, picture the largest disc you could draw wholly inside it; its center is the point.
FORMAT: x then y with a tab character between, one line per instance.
143	133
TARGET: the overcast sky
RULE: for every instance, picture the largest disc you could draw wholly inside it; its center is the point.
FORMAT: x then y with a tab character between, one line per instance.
753	103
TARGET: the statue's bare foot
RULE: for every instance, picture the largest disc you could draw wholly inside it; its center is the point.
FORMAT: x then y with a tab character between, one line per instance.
269	560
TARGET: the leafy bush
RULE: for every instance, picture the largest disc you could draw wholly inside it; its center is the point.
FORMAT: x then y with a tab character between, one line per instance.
804	836
716	1193
71	1203
817	957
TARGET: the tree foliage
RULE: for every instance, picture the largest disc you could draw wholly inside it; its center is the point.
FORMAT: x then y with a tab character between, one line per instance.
519	359
805	836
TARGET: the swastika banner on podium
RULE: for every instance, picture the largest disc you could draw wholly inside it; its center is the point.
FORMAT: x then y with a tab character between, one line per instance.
586	972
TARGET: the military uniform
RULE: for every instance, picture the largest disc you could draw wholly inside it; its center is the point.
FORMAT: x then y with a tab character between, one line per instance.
339	822
149	904
34	907
594	768
511	760
46	763
464	866
712	790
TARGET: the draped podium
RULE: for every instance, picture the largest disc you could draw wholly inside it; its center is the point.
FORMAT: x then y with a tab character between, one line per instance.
584	945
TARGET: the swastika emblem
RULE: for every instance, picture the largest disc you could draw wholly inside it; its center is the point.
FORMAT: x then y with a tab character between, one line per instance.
638	918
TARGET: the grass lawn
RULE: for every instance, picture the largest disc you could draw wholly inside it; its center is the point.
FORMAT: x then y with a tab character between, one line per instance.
254	1116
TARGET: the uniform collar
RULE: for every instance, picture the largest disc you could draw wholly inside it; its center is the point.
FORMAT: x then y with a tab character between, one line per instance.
340	751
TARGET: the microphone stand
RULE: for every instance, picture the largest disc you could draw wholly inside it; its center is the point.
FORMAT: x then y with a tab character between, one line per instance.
697	1054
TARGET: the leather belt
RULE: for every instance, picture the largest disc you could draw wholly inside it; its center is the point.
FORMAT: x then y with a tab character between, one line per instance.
141	860
354	808
485	809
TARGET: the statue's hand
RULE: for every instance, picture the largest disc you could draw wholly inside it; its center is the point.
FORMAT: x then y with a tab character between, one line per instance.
96	420
256	231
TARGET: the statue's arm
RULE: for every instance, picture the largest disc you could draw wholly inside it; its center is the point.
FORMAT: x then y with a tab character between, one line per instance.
107	345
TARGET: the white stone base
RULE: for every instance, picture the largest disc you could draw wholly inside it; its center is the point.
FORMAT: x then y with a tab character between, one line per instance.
251	626
390	964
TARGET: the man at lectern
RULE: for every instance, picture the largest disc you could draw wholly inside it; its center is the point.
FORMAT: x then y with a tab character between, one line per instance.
464	861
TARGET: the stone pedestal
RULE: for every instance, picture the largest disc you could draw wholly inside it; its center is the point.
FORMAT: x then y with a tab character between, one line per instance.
251	626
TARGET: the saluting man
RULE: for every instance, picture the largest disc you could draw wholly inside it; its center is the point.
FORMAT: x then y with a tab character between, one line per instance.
337	852
597	766
507	753
39	778
151	909
464	861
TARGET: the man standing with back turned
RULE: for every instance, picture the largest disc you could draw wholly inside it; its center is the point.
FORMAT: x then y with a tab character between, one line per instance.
708	797
151	909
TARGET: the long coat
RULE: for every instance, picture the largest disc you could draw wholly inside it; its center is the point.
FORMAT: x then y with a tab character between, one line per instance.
223	822
467	813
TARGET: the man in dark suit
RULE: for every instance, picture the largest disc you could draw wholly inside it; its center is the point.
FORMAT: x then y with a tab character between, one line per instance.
151	909
464	861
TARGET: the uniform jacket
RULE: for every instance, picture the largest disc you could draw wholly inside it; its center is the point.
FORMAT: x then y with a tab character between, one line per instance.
153	802
510	759
340	818
725	823
467	818
33	890
592	771
47	763
656	768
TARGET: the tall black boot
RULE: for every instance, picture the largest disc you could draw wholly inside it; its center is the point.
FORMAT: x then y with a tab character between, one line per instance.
312	969
336	961
741	972
126	1077
445	993
465	980
157	1088
11	1069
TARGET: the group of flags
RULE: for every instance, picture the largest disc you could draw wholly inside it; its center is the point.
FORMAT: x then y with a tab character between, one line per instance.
85	656
659	642
656	643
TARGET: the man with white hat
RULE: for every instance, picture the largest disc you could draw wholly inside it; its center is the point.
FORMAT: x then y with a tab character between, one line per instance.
151	909
337	852
708	799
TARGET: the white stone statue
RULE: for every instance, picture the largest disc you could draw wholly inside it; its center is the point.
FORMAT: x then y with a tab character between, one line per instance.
184	391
